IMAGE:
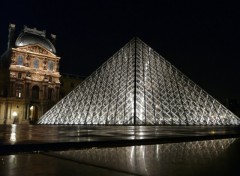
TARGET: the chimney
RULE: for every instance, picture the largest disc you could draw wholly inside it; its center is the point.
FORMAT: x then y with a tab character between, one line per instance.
11	31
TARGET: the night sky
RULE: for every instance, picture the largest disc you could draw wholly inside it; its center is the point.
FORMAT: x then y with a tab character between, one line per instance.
200	38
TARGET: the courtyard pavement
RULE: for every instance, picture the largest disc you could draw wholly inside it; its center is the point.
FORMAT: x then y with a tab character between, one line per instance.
28	138
119	150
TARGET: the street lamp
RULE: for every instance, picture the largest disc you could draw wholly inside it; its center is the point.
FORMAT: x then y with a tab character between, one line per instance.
14	114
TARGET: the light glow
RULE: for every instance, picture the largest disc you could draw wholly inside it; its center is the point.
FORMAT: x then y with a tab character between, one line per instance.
14	114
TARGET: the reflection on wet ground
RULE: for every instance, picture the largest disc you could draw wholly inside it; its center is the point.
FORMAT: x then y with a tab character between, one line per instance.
209	157
165	159
25	134
42	165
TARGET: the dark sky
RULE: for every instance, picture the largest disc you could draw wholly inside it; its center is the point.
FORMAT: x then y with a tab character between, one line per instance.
199	38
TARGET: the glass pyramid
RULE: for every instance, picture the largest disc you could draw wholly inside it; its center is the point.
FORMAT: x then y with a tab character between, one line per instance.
137	86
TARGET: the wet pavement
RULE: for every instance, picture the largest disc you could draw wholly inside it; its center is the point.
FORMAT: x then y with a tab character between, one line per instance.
187	158
42	165
22	138
208	157
119	150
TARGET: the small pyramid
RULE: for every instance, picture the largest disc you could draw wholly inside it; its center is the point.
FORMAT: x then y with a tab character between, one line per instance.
137	86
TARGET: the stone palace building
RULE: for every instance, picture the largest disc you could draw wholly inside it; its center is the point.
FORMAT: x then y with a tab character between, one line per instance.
29	76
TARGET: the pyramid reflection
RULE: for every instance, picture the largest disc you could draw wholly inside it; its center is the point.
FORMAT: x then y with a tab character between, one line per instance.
151	159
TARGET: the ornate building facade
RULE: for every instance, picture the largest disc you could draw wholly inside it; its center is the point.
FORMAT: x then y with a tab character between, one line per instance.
29	76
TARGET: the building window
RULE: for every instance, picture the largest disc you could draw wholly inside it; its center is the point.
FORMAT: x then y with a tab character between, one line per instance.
50	65
19	91
20	60
36	63
35	92
19	75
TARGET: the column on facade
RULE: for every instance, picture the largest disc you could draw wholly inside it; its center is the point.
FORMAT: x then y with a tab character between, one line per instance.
45	91
27	108
27	90
23	90
57	94
6	111
41	93
12	89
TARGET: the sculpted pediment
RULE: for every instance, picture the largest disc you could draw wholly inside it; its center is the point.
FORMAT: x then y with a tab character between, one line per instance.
36	49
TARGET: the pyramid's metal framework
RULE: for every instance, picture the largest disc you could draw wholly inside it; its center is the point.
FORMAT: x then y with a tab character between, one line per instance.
137	86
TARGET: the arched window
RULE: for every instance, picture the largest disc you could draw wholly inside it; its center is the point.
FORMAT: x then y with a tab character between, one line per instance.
35	92
36	63
50	65
20	60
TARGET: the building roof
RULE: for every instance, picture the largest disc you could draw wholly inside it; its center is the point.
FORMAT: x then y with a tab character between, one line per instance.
33	36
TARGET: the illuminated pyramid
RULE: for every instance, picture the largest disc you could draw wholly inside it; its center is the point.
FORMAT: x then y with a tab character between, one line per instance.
137	86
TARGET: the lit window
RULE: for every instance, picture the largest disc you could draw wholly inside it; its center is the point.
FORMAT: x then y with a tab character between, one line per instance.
20	60
36	63
19	91
50	65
